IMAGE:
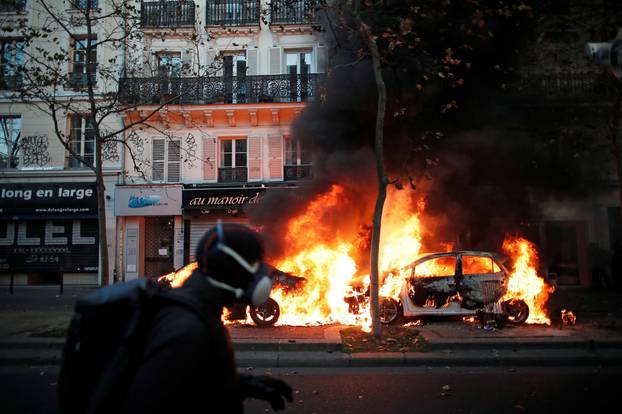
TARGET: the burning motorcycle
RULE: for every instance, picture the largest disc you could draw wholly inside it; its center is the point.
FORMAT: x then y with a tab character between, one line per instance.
450	284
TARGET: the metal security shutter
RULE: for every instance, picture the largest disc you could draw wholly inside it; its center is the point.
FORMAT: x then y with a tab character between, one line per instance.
199	227
197	230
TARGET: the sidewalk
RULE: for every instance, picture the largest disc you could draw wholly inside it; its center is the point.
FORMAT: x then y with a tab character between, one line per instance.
32	322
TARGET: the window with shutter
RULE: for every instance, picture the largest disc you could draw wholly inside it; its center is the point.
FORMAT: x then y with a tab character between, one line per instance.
174	161
158	160
166	159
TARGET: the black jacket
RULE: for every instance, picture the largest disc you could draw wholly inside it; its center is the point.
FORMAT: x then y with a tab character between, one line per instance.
187	365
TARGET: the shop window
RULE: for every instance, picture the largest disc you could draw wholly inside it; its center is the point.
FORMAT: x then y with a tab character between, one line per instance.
10	134
81	141
11	60
166	157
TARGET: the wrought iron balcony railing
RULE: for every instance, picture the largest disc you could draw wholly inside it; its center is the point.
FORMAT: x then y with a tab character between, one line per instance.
563	86
232	13
83	4
292	12
233	175
12	6
81	79
156	14
297	172
218	90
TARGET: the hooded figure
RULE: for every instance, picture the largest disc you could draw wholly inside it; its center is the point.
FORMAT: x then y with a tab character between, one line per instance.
187	364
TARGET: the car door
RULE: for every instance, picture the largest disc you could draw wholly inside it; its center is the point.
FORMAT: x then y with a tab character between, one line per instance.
433	281
481	279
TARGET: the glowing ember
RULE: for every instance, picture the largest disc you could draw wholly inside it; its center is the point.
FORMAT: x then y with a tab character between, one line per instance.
568	318
524	282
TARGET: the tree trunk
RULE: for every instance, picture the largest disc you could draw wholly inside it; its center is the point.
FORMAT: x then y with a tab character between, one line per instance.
382	182
101	214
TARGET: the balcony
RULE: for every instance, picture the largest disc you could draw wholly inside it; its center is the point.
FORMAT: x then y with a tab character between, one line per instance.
157	14
12	6
233	175
83	4
81	79
292	12
232	13
297	172
563	87
220	90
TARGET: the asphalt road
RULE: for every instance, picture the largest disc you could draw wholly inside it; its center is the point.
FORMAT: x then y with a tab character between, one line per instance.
387	390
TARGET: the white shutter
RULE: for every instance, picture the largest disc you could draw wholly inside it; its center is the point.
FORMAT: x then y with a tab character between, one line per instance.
252	62
254	158
174	161
275	61
322	59
186	62
209	158
157	157
275	157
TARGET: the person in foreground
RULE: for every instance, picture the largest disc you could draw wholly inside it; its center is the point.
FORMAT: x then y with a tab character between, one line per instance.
187	364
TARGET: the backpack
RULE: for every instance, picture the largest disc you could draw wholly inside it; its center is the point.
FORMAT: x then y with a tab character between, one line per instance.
104	341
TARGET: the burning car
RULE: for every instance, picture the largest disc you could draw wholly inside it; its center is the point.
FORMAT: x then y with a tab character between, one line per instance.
460	283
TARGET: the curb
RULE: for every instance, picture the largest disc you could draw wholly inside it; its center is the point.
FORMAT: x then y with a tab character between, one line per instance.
271	359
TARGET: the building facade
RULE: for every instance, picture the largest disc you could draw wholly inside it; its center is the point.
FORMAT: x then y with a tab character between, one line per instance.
210	90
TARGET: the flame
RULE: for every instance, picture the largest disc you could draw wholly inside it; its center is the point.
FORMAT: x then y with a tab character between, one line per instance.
524	282
333	259
178	277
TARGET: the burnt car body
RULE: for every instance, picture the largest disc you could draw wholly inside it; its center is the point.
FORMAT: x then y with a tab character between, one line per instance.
459	283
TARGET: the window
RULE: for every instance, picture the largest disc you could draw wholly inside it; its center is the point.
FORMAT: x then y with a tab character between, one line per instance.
234	70
437	267
12	5
233	158
81	141
11	59
10	133
166	160
84	61
478	265
298	62
297	152
233	153
169	64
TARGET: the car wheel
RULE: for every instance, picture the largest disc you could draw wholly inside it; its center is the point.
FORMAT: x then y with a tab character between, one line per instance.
266	314
516	310
389	311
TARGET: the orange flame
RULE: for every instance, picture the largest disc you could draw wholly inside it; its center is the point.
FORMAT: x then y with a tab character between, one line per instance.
524	282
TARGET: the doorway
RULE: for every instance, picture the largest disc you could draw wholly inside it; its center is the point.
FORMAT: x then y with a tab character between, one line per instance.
159	245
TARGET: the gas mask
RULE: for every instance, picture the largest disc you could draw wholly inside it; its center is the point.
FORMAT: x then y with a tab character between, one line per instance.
258	291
